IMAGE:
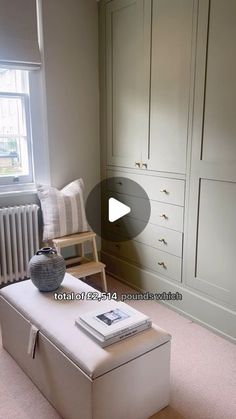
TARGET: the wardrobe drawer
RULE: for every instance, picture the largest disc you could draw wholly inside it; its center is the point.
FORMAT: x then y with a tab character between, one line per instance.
146	256
159	237
157	188
164	215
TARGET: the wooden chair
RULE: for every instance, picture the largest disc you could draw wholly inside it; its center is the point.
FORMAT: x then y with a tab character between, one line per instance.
82	266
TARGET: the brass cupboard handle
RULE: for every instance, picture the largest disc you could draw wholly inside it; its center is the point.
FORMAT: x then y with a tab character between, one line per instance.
164	216
162	241
137	164
144	165
164	191
162	264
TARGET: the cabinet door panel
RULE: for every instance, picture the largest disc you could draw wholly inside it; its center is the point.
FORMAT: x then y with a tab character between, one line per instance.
219	119
170	84
216	245
127	81
213	247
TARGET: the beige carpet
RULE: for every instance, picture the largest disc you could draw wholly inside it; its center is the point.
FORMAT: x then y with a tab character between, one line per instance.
203	373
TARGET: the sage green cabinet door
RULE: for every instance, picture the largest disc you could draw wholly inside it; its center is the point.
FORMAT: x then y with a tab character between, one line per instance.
211	240
172	22
210	245
219	127
128	64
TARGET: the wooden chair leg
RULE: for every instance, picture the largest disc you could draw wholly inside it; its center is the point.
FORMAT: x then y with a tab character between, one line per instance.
78	250
95	253
82	250
104	280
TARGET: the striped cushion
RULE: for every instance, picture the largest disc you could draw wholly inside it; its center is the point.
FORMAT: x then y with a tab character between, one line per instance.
63	211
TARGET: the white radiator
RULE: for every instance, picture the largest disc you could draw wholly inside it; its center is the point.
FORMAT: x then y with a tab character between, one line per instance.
19	240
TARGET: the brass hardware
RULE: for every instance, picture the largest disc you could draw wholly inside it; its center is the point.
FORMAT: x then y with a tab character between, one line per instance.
137	164
144	165
164	216
164	191
162	241
162	264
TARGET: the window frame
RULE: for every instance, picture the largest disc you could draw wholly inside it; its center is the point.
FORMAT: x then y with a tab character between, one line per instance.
10	180
38	134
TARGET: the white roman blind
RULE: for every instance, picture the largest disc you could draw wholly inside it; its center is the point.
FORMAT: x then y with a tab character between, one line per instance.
18	33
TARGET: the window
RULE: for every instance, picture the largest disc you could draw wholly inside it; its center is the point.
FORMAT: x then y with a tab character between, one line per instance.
15	128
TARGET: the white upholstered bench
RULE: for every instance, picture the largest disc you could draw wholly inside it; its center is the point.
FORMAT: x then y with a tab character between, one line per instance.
127	380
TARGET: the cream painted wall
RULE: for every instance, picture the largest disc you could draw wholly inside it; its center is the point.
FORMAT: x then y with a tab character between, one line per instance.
70	39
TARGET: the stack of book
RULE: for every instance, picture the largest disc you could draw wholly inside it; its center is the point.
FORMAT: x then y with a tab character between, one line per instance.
111	325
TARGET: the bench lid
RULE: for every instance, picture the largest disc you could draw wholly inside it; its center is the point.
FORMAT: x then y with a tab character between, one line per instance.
56	320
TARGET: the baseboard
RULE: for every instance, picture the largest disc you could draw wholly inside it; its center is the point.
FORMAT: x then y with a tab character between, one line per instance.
212	315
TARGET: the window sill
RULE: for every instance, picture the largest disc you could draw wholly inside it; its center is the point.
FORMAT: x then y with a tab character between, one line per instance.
16	190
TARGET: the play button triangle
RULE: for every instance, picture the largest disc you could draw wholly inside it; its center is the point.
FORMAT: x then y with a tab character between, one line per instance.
117	209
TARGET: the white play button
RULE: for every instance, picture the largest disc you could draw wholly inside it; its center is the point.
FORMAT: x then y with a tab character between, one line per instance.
117	209
121	200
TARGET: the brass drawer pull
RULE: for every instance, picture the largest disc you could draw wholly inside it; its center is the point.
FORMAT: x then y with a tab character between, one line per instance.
164	191
144	165
164	216
137	164
162	241
162	264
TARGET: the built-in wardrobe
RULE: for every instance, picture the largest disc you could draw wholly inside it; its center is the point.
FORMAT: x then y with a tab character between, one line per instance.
168	122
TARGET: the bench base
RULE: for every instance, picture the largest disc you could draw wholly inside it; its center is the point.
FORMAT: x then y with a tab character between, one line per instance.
135	390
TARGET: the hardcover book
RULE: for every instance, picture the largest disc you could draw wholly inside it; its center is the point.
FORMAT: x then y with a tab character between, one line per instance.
116	323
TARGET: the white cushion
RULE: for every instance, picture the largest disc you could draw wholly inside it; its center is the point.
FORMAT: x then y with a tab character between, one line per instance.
63	210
